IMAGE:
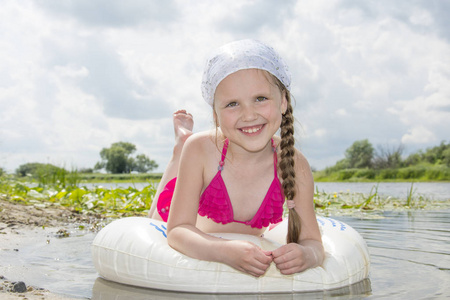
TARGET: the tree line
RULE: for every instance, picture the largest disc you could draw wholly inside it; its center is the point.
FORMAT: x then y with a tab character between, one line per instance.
362	160
361	154
119	158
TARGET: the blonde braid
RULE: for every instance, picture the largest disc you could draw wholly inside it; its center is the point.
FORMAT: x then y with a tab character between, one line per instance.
288	170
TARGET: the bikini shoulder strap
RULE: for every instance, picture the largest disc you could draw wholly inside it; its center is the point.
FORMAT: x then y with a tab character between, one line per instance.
224	154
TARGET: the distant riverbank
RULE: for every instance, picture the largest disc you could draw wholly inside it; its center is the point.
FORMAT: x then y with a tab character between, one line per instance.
411	174
111	178
408	174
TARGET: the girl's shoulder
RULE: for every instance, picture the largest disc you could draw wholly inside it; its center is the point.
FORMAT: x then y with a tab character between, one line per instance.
301	164
202	138
300	161
203	150
204	142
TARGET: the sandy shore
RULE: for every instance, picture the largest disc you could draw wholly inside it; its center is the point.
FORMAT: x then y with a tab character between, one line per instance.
16	218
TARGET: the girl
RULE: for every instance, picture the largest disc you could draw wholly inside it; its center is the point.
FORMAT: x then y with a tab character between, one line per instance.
229	179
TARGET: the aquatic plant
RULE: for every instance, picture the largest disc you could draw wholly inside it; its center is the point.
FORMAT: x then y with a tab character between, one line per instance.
414	201
114	202
108	202
348	203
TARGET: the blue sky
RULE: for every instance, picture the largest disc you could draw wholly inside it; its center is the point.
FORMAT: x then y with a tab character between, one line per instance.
79	75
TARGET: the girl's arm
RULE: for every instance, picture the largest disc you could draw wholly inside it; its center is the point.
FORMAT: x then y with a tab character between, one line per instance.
185	237
308	252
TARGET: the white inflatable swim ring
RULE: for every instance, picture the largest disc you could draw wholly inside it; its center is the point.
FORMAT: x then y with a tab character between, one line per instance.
134	251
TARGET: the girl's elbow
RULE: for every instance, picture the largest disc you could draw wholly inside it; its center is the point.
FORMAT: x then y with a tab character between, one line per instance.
175	235
320	255
171	238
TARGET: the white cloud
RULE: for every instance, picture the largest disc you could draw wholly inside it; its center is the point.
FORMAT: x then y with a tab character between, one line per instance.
72	71
112	13
80	75
421	17
320	132
419	135
341	112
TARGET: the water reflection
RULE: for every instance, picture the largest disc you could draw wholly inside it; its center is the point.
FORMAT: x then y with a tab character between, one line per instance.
410	253
107	290
41	259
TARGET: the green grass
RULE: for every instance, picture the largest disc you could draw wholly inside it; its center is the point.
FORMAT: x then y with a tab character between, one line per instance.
113	178
422	173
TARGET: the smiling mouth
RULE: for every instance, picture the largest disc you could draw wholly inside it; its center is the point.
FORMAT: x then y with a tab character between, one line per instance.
253	129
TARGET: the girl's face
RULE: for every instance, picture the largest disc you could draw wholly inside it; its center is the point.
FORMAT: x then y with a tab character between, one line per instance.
248	107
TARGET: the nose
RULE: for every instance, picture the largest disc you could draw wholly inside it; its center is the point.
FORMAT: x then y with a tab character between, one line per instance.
248	113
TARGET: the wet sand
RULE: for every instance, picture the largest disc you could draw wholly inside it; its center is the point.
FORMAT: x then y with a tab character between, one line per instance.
16	221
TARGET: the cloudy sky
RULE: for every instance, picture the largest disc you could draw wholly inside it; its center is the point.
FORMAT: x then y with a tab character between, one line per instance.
79	75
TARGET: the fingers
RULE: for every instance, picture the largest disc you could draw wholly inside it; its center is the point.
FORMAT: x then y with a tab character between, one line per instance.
290	271
255	261
291	267
258	264
279	254
289	258
266	257
257	270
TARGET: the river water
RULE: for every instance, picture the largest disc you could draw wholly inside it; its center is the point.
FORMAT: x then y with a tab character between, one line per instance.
410	259
430	190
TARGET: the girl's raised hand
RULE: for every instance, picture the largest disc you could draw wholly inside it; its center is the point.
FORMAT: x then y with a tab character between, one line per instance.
247	257
293	258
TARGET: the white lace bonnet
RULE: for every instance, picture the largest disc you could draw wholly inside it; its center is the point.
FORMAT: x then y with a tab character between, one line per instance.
240	55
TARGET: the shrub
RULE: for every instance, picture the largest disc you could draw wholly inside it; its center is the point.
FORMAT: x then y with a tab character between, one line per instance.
437	173
86	170
365	173
346	174
47	174
388	174
37	169
411	173
340	165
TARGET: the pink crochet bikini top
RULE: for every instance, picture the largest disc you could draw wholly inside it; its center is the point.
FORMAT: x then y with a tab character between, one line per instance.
216	205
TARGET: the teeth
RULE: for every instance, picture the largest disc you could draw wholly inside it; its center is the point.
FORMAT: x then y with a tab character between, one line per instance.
251	130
